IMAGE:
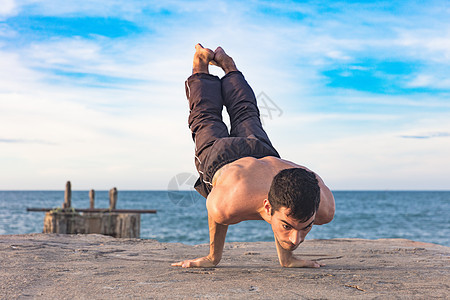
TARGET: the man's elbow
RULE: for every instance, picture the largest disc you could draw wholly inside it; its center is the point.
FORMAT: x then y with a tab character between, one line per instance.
324	218
220	218
219	214
329	216
325	214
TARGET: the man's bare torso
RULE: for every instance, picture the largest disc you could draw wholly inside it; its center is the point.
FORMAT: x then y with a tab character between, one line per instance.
240	187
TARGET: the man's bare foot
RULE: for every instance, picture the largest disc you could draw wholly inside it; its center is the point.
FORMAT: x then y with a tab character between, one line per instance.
224	61
202	57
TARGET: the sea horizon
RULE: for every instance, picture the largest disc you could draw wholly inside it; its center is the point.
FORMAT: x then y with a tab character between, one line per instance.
419	215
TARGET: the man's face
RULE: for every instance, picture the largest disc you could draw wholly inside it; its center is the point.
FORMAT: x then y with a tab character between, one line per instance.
289	231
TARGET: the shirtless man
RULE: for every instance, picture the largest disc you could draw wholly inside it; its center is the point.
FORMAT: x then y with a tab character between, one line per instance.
241	174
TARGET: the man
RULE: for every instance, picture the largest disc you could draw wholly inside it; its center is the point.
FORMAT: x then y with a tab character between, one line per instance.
241	174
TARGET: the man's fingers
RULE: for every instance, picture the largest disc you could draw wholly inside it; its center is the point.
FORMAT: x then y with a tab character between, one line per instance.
192	264
317	264
311	264
185	264
195	263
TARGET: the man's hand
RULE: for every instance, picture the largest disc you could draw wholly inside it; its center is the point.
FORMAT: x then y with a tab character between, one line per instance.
217	233
202	262
288	260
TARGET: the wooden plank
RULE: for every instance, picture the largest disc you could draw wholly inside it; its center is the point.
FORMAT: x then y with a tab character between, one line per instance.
99	210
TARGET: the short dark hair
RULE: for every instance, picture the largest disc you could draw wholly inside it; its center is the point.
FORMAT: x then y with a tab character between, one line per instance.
297	189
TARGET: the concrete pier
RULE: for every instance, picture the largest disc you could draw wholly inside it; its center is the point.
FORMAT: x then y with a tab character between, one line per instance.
53	266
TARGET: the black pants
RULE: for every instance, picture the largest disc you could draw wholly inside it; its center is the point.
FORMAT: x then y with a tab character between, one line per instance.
214	146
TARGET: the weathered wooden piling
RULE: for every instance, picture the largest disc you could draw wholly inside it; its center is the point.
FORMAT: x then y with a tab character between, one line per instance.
68	196
114	222
112	198
91	199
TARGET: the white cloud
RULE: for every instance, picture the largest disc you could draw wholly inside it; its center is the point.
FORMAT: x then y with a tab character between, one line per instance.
7	8
14	74
430	81
431	45
427	135
421	80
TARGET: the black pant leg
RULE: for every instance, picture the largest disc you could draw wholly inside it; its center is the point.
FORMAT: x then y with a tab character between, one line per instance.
205	114
241	105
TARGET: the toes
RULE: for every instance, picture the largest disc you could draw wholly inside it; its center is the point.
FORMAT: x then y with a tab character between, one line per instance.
200	49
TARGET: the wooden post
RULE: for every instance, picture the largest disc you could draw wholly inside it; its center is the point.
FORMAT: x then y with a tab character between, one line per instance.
92	199
112	198
68	196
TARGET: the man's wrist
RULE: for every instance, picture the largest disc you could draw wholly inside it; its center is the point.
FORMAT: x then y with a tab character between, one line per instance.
215	259
286	260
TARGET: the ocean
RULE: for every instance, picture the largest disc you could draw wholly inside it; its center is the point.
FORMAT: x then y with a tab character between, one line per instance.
182	217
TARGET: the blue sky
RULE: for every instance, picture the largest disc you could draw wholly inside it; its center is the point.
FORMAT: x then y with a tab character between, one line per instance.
93	91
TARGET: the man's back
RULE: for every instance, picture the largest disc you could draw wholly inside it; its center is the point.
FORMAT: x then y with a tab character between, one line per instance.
240	187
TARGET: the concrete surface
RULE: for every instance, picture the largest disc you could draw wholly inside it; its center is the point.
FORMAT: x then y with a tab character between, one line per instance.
52	266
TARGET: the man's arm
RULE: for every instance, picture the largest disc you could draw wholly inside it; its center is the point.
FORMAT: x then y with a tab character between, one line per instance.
218	220
217	234
288	260
325	213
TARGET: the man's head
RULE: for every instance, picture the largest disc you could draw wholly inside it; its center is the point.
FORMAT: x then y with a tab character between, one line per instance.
296	189
294	198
